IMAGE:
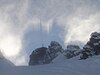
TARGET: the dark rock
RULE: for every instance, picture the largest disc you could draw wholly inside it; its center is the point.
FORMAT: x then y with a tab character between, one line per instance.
92	47
71	51
37	56
45	55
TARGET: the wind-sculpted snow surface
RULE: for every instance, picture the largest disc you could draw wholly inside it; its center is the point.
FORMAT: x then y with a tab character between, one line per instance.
65	66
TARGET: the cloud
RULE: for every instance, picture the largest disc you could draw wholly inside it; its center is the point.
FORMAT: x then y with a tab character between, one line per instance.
80	28
11	32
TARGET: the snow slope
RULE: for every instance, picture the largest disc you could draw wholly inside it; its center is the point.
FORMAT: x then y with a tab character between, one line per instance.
59	66
5	65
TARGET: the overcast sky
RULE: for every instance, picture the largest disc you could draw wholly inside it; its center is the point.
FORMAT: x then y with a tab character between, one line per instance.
65	21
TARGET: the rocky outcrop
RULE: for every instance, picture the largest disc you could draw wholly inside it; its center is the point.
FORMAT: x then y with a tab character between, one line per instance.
54	49
92	47
71	51
45	55
38	56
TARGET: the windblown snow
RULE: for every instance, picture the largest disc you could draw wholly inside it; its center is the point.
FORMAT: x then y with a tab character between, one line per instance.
59	66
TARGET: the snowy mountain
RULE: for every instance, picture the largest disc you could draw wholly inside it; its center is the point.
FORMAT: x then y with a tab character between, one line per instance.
61	62
59	66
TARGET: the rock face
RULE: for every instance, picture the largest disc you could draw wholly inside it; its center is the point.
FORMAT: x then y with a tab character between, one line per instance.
37	56
92	47
54	49
71	51
45	55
